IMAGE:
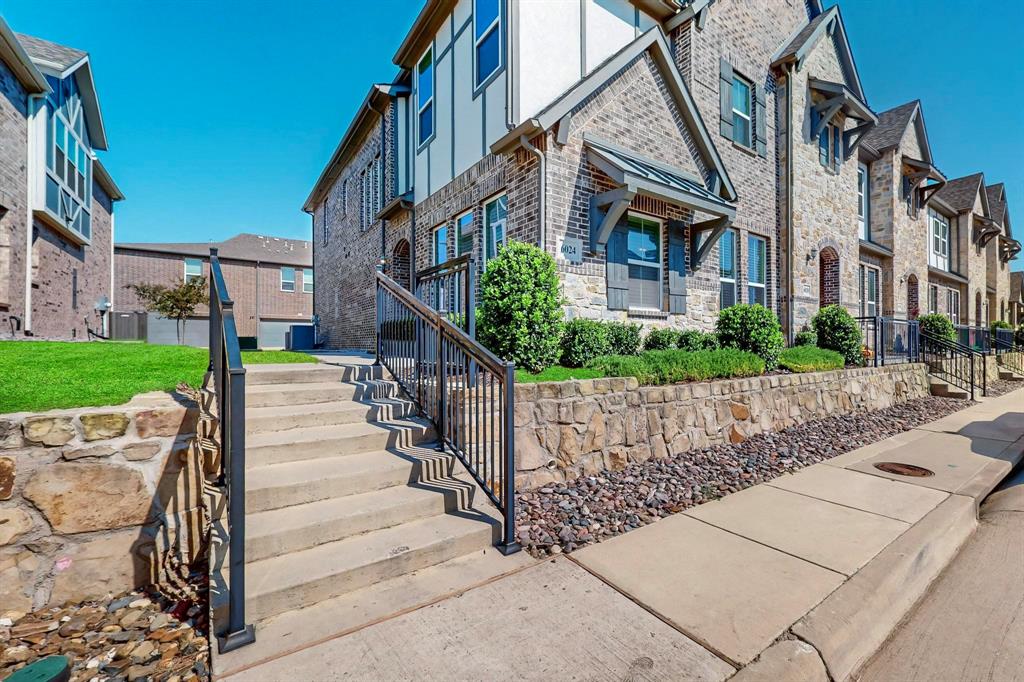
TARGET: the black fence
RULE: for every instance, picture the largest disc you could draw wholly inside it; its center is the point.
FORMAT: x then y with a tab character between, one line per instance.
888	341
956	364
976	338
448	289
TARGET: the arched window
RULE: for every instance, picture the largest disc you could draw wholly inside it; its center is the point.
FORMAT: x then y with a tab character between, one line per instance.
400	269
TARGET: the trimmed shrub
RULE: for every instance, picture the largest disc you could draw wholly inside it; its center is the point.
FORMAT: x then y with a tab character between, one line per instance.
810	359
623	366
937	325
520	314
661	339
694	339
1018	336
623	338
999	324
752	328
673	366
805	337
582	341
837	330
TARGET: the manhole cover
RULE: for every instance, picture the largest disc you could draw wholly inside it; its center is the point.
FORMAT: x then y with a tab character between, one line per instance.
901	469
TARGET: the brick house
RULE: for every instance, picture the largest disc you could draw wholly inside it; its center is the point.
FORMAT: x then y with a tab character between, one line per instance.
270	280
674	158
56	198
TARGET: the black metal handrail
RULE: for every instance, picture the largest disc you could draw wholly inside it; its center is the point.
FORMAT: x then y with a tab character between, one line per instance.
448	289
890	341
229	386
954	363
466	391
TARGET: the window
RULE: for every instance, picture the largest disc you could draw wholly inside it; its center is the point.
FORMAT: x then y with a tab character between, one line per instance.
326	225
464	234
863	201
830	147
756	270
440	244
287	279
68	194
868	291
953	305
643	257
193	269
344	196
933	299
487	19
74	288
741	111
425	96
307	280
938	255
370	191
495	215
727	269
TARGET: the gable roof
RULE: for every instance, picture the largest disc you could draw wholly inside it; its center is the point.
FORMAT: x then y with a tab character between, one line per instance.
652	40
892	125
827	23
13	53
996	201
59	57
960	193
244	246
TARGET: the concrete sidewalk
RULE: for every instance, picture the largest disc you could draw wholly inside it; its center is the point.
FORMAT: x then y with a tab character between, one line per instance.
834	555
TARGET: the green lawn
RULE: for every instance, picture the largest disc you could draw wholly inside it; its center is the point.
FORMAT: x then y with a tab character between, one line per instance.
44	375
557	373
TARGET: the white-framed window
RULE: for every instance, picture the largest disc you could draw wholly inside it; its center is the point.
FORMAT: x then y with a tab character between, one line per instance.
464	234
830	148
933	299
193	269
425	96
757	269
644	261
307	280
68	192
495	219
287	279
869	291
727	270
487	37
863	202
439	242
938	252
953	305
742	111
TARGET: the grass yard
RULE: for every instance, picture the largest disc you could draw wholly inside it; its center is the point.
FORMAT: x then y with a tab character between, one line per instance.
557	373
46	375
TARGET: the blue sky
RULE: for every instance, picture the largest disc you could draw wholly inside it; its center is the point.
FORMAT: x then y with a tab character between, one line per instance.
222	114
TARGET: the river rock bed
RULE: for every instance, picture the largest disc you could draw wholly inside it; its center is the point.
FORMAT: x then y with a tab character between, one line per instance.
566	516
999	387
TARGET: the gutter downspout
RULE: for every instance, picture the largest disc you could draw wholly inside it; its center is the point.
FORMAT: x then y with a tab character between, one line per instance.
509	65
789	205
30	169
258	267
543	188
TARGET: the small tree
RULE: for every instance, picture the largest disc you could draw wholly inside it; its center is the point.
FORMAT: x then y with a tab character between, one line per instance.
176	303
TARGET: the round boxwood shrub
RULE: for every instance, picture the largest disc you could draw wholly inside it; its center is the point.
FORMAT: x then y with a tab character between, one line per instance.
836	330
938	326
752	328
661	339
1018	336
582	341
805	337
695	339
520	314
623	338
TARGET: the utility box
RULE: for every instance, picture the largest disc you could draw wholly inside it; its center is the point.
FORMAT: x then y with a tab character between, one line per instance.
301	337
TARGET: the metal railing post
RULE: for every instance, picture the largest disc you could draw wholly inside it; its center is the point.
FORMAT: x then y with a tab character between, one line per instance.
509	544
441	383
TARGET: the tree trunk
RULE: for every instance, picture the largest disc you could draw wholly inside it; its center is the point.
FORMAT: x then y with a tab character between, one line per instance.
181	331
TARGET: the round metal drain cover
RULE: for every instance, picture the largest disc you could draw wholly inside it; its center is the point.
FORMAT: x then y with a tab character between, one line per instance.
901	469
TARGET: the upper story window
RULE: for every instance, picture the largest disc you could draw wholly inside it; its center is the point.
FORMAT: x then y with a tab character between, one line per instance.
727	269
307	280
742	106
643	256
830	141
327	225
757	262
193	269
464	234
287	279
863	203
440	244
487	22
68	158
370	183
495	217
425	96
938	253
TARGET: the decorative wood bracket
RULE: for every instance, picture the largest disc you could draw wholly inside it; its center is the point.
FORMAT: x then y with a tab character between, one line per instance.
605	211
853	137
714	229
701	17
826	112
928	191
564	124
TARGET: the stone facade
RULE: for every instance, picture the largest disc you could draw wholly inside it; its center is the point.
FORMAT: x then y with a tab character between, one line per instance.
93	499
13	198
574	428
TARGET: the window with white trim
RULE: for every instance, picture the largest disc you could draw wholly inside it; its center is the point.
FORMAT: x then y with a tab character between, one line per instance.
425	96
68	192
487	37
938	253
287	279
464	234
727	269
193	269
307	280
869	291
495	218
953	305
863	202
742	111
757	267
933	299
644	261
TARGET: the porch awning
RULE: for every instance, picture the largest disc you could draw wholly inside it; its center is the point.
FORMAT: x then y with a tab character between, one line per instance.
920	172
633	174
1008	248
838	98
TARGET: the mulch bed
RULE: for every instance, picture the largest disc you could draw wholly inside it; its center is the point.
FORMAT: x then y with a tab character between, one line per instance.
994	389
564	517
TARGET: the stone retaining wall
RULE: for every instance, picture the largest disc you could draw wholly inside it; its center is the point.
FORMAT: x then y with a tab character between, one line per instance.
573	428
92	499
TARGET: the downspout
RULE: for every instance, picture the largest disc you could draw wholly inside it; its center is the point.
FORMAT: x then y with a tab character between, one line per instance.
542	191
31	172
509	42
258	268
789	204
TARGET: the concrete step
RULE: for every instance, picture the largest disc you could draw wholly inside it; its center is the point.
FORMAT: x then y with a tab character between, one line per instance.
301	373
1008	375
315	442
300	579
284	417
274	395
944	389
292	529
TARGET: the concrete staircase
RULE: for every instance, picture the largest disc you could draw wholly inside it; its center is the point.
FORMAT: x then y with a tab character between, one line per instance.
345	489
945	389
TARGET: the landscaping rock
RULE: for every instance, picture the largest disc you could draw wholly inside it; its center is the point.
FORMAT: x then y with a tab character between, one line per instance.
6	477
77	497
104	425
94	451
165	422
13	524
10	433
102	566
49	430
137	452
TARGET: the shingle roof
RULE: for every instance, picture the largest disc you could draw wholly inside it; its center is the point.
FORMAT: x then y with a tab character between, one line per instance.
247	247
802	36
891	126
961	192
996	204
59	55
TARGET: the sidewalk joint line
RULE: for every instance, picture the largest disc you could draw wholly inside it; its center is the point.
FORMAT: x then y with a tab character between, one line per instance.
846	506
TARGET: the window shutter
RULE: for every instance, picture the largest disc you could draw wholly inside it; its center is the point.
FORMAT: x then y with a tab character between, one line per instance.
617	269
676	267
725	96
760	125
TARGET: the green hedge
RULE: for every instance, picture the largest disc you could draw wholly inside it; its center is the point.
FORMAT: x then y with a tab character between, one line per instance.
661	339
752	328
674	366
623	338
837	330
694	340
805	337
810	359
582	341
938	326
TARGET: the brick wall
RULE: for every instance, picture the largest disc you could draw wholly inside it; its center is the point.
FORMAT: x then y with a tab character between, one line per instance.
13	198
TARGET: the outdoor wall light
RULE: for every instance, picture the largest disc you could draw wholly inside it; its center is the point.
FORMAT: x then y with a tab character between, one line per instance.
812	255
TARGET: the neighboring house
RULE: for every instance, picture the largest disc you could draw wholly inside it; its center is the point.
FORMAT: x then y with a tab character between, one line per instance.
674	157
56	198
269	279
999	252
970	233
1016	299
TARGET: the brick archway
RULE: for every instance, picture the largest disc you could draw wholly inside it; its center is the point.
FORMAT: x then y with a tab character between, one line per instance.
913	298
828	277
400	265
